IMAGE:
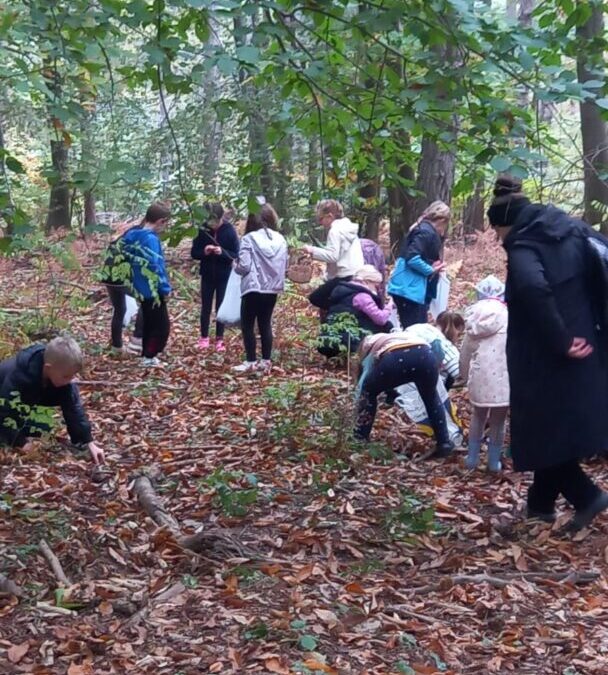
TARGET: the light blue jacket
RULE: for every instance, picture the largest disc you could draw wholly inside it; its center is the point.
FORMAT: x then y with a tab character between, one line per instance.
410	279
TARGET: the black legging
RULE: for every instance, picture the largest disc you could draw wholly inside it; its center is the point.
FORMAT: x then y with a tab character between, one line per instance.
214	285
410	312
257	306
118	298
411	364
156	326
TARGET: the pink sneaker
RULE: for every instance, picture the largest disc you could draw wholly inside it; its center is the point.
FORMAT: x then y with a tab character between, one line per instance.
203	343
220	346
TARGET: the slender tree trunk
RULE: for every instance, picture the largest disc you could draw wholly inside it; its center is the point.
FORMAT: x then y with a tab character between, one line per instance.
473	216
313	165
59	201
435	174
7	205
593	128
87	164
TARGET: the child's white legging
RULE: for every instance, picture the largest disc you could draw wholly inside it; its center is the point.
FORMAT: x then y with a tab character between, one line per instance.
496	417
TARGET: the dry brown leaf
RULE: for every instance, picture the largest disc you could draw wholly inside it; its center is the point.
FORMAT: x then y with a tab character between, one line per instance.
273	665
17	652
313	664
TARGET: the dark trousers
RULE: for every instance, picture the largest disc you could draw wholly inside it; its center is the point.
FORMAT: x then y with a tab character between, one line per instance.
118	295
410	312
568	479
156	326
215	285
257	307
412	364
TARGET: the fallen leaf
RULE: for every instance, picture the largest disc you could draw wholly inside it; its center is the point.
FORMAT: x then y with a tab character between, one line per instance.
273	665
17	652
313	664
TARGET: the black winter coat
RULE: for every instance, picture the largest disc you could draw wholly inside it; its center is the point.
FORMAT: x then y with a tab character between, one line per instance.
215	266
559	405
23	374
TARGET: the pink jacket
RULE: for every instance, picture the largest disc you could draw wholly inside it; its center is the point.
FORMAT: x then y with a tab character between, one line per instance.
365	303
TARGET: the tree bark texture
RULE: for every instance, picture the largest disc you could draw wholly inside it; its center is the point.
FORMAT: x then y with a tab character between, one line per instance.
59	200
593	128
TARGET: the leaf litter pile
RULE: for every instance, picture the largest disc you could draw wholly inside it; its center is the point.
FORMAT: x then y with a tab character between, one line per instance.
237	528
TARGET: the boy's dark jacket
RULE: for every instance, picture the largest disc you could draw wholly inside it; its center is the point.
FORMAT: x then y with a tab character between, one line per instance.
227	239
23	374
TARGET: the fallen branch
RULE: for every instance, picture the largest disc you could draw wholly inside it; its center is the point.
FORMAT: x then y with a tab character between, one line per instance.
153	506
169	594
115	383
571	577
54	563
10	587
219	540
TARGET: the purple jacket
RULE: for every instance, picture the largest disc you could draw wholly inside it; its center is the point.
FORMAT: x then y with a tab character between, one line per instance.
373	255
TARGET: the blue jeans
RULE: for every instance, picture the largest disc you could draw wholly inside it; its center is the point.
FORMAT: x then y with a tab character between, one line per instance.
400	366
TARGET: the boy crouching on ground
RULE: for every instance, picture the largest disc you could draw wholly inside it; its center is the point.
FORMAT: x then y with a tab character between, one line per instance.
42	376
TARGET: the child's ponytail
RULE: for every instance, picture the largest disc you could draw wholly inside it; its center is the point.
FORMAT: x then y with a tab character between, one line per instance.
451	324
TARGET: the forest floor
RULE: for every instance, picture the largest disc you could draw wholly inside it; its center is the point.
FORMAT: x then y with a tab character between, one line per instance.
322	556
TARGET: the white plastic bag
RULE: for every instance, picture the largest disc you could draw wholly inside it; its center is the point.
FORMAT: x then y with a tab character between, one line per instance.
410	402
440	302
131	310
229	312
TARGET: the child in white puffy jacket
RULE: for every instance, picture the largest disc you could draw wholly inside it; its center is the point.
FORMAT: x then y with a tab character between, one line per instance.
483	365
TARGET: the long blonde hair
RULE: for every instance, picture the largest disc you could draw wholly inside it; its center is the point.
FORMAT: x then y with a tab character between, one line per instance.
433	212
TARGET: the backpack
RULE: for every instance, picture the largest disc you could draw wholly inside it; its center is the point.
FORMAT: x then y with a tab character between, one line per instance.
116	269
597	254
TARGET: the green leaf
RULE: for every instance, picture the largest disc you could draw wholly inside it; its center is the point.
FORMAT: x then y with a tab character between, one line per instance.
298	624
248	53
403	667
308	643
602	103
500	163
14	165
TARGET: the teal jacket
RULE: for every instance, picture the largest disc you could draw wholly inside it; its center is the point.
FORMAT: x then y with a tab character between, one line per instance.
412	277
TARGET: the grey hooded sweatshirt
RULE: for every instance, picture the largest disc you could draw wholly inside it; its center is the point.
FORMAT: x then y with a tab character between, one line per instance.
342	251
262	262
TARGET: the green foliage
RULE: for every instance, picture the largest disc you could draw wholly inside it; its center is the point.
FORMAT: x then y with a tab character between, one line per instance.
234	492
410	518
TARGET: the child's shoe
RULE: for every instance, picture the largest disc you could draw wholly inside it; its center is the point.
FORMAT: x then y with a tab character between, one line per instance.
151	362
245	367
134	345
265	365
220	346
118	352
203	343
472	459
494	463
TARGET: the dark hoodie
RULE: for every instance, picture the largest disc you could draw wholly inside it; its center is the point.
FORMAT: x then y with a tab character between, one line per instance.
214	266
558	404
22	375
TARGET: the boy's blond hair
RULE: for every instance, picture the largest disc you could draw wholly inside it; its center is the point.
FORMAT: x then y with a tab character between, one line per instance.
64	353
330	207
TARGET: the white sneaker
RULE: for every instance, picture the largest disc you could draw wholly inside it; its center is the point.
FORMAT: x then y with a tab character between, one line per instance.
245	367
134	345
153	362
265	365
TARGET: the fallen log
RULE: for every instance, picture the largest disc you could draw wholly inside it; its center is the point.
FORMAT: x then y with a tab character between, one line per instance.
54	563
146	494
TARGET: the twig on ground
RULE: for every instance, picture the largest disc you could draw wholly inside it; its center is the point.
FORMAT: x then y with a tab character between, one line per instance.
10	587
116	383
54	563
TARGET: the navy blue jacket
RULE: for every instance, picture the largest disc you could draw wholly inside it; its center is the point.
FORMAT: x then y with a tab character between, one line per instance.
558	404
22	375
214	266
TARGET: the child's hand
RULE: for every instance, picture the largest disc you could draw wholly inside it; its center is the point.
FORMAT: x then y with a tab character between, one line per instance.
209	249
97	454
217	250
438	266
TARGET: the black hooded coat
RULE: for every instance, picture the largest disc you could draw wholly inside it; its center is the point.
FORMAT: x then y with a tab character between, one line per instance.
559	405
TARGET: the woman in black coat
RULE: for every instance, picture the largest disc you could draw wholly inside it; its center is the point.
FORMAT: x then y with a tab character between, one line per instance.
557	353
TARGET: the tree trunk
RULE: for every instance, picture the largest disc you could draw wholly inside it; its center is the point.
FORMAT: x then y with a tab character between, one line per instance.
593	127
435	174
87	164
59	201
7	205
313	166
473	216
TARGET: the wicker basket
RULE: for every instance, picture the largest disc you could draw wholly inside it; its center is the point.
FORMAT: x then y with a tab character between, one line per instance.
299	269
